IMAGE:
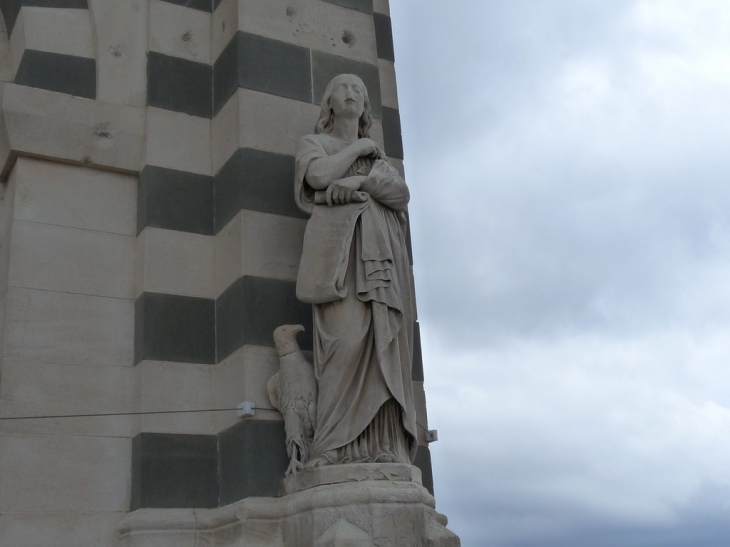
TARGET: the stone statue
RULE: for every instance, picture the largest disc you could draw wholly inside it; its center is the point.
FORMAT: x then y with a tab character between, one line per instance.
355	272
293	391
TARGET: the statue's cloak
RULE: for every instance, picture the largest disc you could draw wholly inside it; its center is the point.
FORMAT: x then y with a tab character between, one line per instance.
355	271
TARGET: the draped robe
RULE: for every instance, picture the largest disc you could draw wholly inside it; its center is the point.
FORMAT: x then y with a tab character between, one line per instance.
355	271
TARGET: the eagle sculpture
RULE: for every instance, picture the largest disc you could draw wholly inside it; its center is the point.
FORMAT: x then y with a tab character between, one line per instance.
293	391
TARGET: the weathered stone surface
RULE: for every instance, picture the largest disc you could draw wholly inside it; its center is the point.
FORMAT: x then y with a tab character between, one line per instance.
385	505
344	534
71	260
32	388
170	327
66	529
178	141
174	200
174	471
179	31
47	124
65	31
173	262
350	473
178	84
388	89
103	328
74	197
381	6
242	376
164	386
319	26
121	43
224	26
58	473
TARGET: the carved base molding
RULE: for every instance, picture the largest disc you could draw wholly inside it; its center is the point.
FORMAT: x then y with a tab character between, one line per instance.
353	505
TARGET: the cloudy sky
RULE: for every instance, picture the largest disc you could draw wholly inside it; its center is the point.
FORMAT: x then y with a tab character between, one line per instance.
569	163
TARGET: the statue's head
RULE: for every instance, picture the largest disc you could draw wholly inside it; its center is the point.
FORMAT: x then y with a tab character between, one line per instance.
337	96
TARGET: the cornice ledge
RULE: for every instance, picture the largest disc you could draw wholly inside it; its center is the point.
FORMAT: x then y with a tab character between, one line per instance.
54	126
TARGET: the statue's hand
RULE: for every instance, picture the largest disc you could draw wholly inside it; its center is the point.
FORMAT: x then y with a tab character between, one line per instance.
369	148
339	192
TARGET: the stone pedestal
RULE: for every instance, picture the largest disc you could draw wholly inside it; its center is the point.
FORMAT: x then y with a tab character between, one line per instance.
354	505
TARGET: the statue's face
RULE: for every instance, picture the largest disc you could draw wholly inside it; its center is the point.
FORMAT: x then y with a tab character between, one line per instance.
348	96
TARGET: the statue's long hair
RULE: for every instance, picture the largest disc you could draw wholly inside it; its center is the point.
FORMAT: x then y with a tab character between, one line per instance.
327	116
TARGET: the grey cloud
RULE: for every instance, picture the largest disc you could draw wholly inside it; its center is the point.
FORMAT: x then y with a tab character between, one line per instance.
571	231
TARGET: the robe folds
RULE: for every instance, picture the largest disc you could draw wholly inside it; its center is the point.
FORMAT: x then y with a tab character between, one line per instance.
355	272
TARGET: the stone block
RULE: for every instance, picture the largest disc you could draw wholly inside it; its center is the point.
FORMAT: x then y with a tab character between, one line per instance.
419	401
226	73
271	245
121	41
252	460
388	88
3	314
66	529
417	370
58	72
173	262
201	5
76	197
384	36
162	538
242	376
64	31
262	64
320	26
224	26
72	260
179	31
56	473
5	248
392	133
179	85
174	471
225	133
252	119
164	386
344	534
250	309
423	462
69	328
174	200
5	252
176	328
178	141
7	205
227	249
274	124
376	132
56	125
32	388
365	6
381	6
257	181
351	473
11	8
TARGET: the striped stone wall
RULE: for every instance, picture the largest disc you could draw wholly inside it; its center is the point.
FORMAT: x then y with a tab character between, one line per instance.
150	243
